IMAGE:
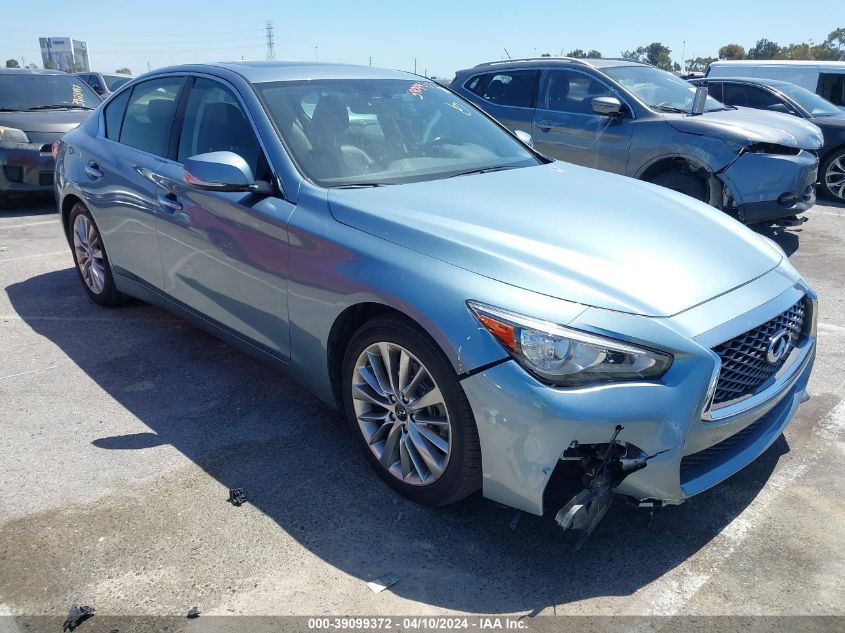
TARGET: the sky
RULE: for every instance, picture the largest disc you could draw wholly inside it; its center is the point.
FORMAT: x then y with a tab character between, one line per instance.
441	35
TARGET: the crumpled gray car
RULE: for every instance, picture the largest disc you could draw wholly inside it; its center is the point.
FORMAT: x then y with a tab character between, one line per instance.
634	119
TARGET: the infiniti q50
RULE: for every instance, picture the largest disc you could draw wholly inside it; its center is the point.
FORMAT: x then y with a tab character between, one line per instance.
478	312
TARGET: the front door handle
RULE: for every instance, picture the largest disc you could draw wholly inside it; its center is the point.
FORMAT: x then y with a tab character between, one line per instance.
169	202
93	170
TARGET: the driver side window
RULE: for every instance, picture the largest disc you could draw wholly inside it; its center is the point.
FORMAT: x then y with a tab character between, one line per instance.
573	92
215	122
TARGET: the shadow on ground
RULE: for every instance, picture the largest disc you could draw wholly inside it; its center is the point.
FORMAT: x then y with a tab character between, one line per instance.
30	206
247	426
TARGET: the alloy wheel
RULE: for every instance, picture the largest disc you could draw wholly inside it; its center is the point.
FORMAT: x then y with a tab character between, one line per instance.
402	413
88	250
834	177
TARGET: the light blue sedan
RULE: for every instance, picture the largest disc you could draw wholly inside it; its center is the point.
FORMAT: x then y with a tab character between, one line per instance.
479	312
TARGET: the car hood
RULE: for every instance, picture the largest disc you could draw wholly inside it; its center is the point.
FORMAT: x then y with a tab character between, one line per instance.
747	126
51	121
569	232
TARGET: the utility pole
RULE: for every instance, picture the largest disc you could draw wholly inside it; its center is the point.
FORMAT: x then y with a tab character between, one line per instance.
415	65
371	60
683	55
271	44
315	53
148	66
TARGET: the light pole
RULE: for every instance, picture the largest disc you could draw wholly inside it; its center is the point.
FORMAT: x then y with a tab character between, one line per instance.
683	55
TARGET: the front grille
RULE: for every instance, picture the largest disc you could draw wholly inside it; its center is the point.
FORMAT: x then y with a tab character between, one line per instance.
745	365
14	173
47	148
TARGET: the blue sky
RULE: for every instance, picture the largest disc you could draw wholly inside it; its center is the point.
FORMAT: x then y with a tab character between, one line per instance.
444	35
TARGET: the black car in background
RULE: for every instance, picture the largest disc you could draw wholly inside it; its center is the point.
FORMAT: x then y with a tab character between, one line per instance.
37	107
782	96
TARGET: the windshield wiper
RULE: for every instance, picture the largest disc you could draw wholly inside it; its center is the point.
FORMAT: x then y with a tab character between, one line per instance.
667	108
362	185
9	110
482	170
59	106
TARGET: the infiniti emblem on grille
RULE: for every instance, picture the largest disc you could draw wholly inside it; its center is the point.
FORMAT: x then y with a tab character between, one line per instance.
778	346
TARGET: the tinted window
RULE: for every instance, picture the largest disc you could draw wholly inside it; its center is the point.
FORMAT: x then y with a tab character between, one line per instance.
714	89
150	114
749	96
215	122
113	82
516	89
832	87
95	82
473	84
114	115
568	91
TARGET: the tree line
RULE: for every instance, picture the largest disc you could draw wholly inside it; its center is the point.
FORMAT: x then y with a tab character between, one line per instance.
831	49
13	63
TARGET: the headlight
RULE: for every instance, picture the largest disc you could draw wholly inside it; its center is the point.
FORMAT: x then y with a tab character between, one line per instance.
567	357
12	135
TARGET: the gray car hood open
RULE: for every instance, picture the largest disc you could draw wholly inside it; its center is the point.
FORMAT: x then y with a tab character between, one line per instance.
747	125
569	232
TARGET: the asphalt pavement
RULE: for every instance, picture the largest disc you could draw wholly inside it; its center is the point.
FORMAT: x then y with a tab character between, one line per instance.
122	431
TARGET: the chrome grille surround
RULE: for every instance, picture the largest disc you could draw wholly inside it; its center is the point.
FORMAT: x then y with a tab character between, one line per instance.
744	364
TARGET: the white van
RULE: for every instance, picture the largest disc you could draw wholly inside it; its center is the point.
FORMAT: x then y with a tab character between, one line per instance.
826	79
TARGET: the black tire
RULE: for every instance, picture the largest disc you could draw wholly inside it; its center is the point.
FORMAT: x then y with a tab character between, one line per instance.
462	475
839	156
109	296
683	182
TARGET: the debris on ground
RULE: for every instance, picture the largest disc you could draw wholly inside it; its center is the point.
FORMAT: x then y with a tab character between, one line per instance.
193	612
515	520
380	584
76	615
237	496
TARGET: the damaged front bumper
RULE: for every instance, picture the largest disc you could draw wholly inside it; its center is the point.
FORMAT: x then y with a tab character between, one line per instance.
525	427
769	186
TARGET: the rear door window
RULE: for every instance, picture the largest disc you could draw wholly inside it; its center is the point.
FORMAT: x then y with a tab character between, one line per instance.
714	89
150	114
516	89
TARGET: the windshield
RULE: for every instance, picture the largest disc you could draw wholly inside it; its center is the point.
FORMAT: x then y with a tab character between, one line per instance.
370	132
814	104
26	91
113	82
659	89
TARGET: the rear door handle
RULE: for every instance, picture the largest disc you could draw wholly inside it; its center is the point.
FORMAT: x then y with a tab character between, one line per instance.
169	202
93	170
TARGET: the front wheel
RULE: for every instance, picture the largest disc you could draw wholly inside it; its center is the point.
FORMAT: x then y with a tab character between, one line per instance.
833	176
683	182
403	401
92	262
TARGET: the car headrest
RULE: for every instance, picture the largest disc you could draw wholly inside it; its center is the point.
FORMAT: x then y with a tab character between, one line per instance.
158	109
330	115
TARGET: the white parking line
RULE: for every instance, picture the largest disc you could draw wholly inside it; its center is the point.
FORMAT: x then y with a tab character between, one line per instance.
18	259
25	225
32	371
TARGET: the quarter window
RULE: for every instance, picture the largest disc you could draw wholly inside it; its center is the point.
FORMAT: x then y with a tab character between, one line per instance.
568	91
114	115
517	89
215	122
150	114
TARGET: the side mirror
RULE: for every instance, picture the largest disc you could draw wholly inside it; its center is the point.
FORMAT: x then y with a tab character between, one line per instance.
524	136
220	171
607	106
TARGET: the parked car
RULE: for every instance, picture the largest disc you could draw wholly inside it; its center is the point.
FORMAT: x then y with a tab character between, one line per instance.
782	96
476	310
826	79
635	119
104	84
36	108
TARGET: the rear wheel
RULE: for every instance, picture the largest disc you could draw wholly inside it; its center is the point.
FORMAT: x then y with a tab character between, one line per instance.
403	401
683	182
92	262
833	176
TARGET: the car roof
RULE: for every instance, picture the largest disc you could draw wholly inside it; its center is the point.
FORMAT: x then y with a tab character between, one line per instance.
552	62
774	83
780	62
261	71
30	71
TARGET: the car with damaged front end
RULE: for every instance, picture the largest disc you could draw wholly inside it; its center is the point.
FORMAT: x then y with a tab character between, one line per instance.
634	119
479	313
